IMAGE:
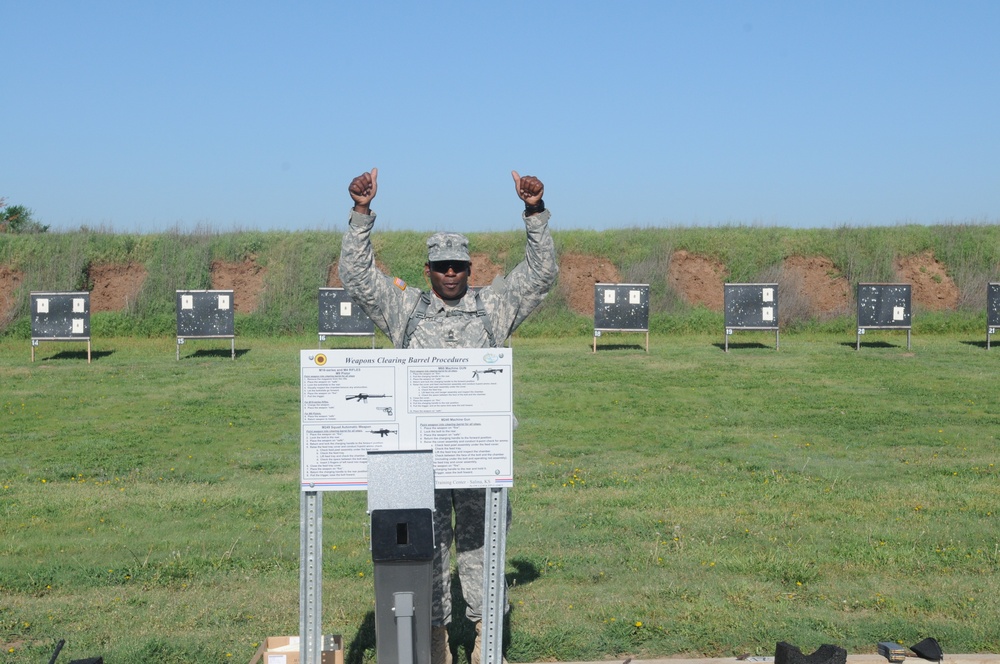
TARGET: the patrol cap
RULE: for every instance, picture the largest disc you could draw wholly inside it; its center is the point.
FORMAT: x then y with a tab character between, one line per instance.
448	247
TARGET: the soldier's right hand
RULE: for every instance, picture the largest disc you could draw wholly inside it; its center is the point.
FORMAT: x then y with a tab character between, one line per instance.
362	190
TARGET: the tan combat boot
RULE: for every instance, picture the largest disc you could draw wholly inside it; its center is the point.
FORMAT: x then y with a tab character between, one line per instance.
440	651
477	649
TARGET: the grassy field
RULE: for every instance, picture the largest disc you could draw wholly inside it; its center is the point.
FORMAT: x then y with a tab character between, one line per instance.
682	501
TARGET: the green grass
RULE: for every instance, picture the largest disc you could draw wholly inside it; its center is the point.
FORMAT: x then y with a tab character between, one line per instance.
687	501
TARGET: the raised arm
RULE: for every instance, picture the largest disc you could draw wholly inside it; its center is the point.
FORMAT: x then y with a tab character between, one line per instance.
387	301
514	296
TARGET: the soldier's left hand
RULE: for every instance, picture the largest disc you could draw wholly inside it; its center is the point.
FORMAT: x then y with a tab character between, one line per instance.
529	188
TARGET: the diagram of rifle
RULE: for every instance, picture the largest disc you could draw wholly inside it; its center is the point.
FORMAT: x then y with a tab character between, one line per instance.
496	370
382	433
363	397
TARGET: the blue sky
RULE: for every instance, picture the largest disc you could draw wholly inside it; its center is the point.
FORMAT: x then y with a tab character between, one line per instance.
145	116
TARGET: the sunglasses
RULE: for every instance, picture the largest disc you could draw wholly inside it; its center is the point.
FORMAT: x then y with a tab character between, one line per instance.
444	266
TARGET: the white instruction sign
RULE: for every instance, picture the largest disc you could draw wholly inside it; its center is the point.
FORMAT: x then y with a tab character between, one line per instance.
456	402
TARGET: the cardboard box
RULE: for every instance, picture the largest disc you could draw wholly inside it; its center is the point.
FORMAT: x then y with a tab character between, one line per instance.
285	650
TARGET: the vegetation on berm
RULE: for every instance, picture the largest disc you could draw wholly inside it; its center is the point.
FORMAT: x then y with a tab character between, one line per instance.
298	263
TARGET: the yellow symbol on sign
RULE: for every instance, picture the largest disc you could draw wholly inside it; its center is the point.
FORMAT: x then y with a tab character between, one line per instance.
320	359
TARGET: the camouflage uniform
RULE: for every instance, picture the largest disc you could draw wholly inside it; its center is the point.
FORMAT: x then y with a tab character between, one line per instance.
507	301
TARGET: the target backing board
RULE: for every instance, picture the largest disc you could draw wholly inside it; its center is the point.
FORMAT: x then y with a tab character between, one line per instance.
884	307
339	315
621	308
205	314
60	316
751	306
993	305
992	311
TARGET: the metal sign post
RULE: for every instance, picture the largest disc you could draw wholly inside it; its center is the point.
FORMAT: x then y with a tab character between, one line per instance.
495	549
310	576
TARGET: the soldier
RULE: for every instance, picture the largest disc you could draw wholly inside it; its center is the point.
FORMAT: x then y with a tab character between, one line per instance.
450	316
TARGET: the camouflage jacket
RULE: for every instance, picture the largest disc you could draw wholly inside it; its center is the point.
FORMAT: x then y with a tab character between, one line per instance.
389	301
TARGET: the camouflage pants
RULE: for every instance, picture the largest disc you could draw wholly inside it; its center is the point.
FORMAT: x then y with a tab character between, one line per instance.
459	517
